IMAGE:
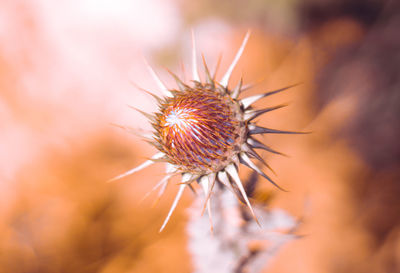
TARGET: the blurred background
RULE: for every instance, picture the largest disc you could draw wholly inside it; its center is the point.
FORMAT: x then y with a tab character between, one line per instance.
66	73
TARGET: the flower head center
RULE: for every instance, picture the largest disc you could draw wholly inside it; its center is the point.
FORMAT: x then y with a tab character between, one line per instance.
181	118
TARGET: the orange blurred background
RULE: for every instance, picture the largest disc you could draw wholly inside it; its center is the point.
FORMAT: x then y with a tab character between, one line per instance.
66	69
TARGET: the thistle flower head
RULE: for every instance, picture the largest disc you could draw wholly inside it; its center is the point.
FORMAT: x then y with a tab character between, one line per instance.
199	129
203	132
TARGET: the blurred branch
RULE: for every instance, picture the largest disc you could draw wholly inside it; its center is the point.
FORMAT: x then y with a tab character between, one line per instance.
237	244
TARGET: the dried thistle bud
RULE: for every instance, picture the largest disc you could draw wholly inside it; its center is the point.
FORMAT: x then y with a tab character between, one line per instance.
204	131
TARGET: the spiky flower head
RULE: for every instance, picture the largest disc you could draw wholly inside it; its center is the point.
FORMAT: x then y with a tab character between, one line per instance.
203	131
199	129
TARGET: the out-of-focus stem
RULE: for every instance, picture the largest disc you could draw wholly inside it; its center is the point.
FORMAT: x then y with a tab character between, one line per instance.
236	244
